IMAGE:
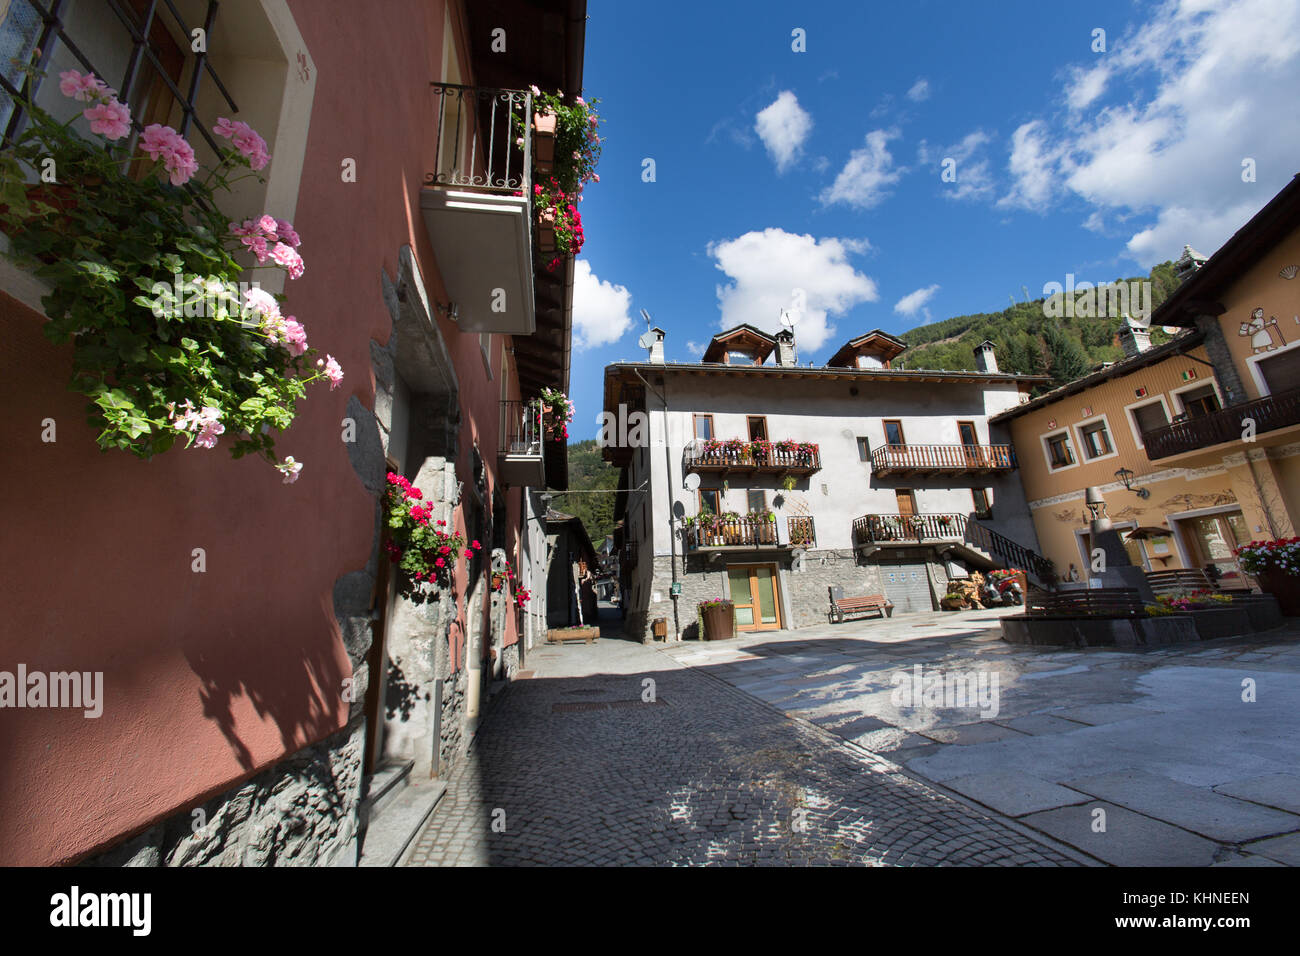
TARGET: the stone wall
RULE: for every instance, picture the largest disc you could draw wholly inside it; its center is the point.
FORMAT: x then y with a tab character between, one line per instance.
452	738
301	812
805	587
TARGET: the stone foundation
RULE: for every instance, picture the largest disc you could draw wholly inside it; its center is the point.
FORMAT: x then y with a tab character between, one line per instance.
1095	632
301	812
452	742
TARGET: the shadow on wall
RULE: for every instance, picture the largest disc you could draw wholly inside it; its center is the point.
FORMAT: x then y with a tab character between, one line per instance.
297	685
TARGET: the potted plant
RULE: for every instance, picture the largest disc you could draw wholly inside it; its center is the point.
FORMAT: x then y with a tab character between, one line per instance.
1276	565
557	412
422	548
717	619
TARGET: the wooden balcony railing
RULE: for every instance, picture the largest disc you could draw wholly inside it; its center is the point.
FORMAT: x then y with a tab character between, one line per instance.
782	457
801	531
709	531
942	459
1228	424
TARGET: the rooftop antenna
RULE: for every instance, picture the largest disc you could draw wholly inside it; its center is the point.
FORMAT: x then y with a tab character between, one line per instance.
647	340
788	319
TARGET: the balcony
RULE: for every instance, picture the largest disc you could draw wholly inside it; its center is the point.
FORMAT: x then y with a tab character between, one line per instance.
736	456
520	460
801	531
877	529
477	206
731	531
942	459
1226	425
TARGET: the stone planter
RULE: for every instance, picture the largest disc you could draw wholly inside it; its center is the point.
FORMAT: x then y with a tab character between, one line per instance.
1099	632
544	142
1284	587
1215	622
1263	610
719	623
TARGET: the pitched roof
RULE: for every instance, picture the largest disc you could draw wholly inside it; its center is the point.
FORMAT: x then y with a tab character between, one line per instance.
886	345
746	336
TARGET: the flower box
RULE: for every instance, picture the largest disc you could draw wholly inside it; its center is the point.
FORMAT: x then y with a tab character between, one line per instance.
546	230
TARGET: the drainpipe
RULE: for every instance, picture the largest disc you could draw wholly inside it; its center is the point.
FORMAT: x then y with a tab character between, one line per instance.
672	519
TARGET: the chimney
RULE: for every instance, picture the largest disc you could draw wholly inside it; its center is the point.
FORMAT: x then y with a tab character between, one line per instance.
1188	263
785	348
985	359
1133	339
657	346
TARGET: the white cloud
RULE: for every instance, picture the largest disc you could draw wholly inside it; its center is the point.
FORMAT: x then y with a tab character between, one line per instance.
865	178
783	126
695	348
1033	165
913	302
766	268
1212	85
920	90
1086	85
974	178
600	309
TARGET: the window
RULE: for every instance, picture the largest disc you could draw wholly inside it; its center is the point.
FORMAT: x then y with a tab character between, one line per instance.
1059	453
864	449
893	432
1149	417
757	427
906	501
968	435
1095	440
134	46
710	501
980	501
1198	402
703	427
1281	372
756	501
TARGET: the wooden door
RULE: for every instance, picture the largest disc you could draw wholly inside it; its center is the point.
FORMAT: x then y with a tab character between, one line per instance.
753	592
971	445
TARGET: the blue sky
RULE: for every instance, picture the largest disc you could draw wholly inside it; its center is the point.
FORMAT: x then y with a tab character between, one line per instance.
821	170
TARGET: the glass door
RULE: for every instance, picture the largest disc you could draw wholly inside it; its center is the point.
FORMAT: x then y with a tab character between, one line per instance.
970	444
1212	539
753	591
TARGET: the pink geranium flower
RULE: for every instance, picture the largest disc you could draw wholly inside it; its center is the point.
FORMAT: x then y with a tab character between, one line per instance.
288	257
177	156
290	468
295	336
261	302
333	371
110	120
83	88
245	139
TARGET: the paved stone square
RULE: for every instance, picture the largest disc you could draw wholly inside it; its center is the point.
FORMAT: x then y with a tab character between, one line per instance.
572	766
1189	751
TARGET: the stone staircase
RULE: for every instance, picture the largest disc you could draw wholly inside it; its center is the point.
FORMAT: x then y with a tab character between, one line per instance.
393	813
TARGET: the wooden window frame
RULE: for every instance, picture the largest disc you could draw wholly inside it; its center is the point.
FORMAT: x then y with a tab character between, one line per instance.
700	493
975	434
695	426
886	422
767	435
864	448
749	506
975	495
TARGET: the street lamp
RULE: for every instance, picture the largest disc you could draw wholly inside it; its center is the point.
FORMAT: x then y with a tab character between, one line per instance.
1096	506
1126	476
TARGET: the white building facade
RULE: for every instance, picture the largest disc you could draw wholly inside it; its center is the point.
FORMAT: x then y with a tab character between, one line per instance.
770	483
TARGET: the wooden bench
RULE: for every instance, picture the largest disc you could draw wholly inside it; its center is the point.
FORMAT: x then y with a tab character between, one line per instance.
1187	579
1086	602
841	606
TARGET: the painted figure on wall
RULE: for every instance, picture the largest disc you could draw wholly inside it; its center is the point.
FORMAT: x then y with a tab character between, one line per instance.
1265	336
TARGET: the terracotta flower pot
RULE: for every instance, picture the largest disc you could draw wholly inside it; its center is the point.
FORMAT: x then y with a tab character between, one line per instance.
1284	587
544	141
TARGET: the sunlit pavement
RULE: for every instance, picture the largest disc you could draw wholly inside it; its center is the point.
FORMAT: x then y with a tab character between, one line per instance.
576	765
1188	769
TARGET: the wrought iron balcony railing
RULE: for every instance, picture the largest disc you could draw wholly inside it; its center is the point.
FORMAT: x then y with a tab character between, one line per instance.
1228	424
485	139
521	429
782	457
942	459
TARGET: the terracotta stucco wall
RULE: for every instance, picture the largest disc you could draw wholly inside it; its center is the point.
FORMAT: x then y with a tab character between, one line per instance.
212	676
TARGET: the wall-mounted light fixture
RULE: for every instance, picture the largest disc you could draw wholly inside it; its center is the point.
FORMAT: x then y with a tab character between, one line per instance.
1126	476
451	310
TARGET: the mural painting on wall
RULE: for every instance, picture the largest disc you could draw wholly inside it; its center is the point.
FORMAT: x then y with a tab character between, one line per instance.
1188	501
1265	336
1128	511
1068	515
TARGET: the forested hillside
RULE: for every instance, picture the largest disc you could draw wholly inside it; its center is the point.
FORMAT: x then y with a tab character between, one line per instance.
587	471
1028	341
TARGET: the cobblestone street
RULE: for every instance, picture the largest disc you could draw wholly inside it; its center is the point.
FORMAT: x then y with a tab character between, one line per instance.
572	767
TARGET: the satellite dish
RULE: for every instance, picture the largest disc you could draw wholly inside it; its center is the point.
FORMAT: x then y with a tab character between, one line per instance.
646	341
499	562
692	481
788	319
